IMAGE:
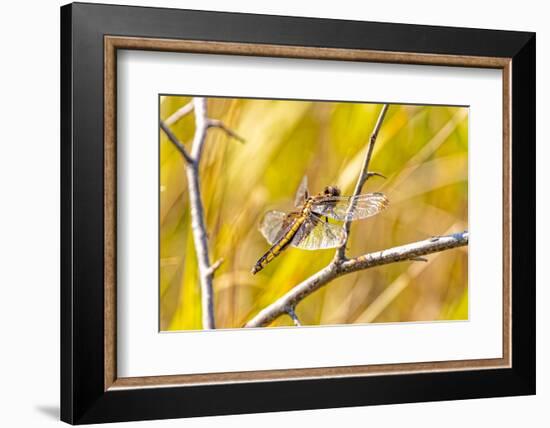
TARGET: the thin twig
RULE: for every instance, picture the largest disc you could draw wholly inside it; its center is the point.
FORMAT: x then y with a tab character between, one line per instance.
337	269
181	112
215	123
198	224
172	137
375	174
216	265
391	291
292	313
363	177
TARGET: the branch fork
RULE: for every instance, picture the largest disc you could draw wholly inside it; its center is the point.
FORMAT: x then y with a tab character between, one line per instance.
337	269
198	224
342	265
339	266
363	177
292	313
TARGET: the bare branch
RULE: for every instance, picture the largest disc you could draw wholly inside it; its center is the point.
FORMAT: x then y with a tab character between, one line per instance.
198	224
178	114
215	123
363	177
339	268
171	136
200	239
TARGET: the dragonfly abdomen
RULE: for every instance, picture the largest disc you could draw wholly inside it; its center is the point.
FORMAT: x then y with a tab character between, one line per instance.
278	246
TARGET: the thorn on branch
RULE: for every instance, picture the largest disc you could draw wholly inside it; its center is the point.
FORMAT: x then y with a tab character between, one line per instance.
434	238
377	174
216	123
294	317
418	259
178	114
215	266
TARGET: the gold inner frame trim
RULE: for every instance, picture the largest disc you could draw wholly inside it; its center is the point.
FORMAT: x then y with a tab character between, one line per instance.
113	43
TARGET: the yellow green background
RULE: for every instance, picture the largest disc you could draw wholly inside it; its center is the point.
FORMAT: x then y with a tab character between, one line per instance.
423	152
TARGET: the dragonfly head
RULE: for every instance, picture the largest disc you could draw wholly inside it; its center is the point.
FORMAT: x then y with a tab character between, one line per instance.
331	191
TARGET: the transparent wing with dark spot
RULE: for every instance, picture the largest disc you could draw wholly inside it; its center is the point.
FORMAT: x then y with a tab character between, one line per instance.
316	234
337	207
274	224
301	193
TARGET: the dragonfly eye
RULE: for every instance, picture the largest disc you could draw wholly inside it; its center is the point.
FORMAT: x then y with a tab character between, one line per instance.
332	191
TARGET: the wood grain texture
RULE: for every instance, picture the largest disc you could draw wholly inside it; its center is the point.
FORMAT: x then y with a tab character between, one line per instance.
265	50
112	43
296	374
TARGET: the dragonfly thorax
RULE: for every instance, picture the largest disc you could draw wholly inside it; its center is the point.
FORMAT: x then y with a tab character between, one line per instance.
306	210
331	191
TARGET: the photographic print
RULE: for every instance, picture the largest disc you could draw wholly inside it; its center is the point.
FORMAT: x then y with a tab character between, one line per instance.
294	213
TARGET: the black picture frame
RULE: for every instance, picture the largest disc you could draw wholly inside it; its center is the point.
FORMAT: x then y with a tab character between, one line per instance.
83	396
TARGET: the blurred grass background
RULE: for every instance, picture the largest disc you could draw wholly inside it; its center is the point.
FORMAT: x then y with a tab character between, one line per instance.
423	152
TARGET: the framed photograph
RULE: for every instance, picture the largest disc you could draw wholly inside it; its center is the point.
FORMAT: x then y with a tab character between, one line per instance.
265	213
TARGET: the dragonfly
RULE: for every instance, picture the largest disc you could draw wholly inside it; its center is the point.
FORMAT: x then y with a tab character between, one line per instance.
308	227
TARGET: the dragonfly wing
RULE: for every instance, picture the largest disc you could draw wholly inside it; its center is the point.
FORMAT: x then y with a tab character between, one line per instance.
301	193
274	225
315	234
337	207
